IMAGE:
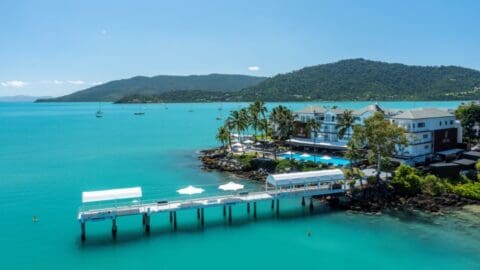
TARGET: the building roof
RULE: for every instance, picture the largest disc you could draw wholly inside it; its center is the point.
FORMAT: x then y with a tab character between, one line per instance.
370	108
465	162
298	178
422	113
111	194
312	109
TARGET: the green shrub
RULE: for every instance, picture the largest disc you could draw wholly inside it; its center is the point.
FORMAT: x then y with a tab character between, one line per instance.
406	180
468	190
433	185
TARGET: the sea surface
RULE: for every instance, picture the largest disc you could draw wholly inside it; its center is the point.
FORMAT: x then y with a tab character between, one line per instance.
51	152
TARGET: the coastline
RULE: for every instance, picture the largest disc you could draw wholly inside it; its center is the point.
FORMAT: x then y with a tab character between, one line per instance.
368	200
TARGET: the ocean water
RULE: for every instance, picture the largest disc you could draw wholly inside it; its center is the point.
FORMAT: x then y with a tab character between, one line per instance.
50	153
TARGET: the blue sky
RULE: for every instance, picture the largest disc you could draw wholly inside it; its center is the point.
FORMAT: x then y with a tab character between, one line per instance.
57	47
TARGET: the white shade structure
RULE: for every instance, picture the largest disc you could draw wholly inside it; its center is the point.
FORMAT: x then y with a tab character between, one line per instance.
289	153
248	142
299	178
305	155
190	190
111	194
231	186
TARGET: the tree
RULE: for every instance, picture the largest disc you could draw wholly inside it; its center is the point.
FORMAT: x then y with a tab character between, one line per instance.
312	126
282	119
345	123
238	120
257	111
379	137
354	153
469	116
406	180
223	136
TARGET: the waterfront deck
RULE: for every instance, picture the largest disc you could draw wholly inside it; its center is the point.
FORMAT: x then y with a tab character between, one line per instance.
146	209
300	184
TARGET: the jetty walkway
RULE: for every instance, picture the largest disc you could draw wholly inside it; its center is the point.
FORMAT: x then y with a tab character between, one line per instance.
277	187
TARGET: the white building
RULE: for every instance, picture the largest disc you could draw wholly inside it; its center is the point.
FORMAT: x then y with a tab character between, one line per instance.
429	130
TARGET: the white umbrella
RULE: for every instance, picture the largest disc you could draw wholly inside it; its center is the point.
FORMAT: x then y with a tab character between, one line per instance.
326	157
248	142
237	145
305	155
289	153
190	190
231	186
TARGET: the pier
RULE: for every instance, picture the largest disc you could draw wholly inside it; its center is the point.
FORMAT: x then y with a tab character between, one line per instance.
278	186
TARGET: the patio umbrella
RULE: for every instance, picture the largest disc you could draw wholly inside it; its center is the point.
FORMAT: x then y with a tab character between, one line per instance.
190	190
326	157
305	155
248	142
231	186
289	153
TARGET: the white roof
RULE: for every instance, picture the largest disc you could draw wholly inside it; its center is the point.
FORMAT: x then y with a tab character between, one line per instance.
231	186
305	177
190	190
111	194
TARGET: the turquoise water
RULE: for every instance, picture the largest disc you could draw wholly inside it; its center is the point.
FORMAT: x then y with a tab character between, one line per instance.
336	161
50	153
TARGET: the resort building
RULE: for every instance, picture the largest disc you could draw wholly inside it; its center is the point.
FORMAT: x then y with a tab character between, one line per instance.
429	130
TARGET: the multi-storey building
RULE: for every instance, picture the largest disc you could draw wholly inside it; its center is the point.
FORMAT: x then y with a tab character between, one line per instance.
428	130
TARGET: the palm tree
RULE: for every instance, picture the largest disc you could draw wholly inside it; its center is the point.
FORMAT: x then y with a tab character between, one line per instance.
223	136
312	126
345	124
354	153
282	119
238	120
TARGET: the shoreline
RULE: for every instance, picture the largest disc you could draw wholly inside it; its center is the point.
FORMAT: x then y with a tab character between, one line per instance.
367	200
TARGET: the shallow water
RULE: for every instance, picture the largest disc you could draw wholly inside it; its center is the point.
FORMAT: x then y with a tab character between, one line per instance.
50	153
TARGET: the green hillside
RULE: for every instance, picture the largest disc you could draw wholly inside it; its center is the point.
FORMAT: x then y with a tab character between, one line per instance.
151	86
359	79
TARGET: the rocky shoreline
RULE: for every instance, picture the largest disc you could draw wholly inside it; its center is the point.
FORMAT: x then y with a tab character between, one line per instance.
367	200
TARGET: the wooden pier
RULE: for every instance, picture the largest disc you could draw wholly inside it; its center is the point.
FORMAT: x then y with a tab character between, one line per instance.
304	185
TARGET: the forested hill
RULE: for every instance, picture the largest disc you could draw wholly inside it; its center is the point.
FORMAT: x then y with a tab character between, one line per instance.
360	79
152	86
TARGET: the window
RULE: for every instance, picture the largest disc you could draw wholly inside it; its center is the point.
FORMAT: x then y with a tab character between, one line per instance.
440	123
413	125
421	125
446	123
451	122
425	136
426	146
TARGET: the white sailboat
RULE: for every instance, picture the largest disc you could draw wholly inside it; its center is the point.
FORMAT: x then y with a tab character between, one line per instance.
99	112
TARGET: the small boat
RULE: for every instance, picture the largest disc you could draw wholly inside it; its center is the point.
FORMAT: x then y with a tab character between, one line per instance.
99	113
139	113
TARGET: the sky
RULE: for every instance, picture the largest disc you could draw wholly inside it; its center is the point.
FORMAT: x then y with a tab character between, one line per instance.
58	47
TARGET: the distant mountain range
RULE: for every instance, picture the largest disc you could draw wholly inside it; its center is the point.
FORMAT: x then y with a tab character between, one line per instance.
22	98
152	86
353	79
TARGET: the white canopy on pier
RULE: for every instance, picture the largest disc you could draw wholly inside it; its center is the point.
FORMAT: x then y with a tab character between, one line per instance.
190	190
299	178
231	186
111	194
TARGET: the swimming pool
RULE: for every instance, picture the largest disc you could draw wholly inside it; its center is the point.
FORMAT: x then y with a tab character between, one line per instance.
336	161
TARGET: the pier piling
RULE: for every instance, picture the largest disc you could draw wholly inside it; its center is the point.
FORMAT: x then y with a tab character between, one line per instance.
311	204
198	213
273	204
303	201
171	218
224	211
254	209
248	208
230	214
202	217
82	225
278	207
147	223
174	220
114	228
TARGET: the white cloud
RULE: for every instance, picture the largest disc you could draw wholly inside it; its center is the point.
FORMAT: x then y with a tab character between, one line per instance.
14	84
96	83
57	82
104	32
76	82
254	68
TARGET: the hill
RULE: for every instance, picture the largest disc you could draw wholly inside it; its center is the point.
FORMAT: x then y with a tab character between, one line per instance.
360	79
21	98
151	86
